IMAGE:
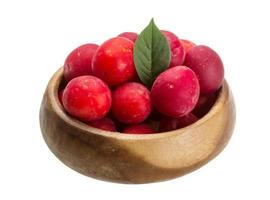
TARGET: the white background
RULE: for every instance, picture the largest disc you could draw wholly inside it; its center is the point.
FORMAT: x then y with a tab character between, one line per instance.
36	36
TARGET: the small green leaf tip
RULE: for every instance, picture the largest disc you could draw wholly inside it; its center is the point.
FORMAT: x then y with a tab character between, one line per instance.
151	53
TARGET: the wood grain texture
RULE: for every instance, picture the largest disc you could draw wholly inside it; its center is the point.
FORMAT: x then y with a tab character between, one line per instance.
129	158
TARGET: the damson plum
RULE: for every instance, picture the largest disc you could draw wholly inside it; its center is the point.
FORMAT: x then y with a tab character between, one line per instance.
208	67
177	50
87	98
131	103
79	61
139	129
113	61
175	92
169	123
105	124
187	45
129	35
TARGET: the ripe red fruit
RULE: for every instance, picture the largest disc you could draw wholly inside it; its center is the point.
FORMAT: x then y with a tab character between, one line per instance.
105	124
139	129
113	61
60	96
129	35
169	123
79	61
175	92
87	98
204	104
208	66
177	50
187	45
131	103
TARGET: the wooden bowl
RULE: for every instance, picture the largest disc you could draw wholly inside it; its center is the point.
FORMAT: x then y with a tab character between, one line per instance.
130	158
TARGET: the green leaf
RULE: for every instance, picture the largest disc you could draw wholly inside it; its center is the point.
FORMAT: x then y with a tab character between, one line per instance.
151	54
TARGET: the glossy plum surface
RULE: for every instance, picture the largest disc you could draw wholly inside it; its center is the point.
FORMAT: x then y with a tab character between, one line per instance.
131	103
187	45
79	61
169	123
208	67
175	92
105	124
177	50
129	35
113	61
87	98
139	129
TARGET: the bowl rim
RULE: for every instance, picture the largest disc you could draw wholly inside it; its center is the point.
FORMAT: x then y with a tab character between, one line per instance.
52	91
